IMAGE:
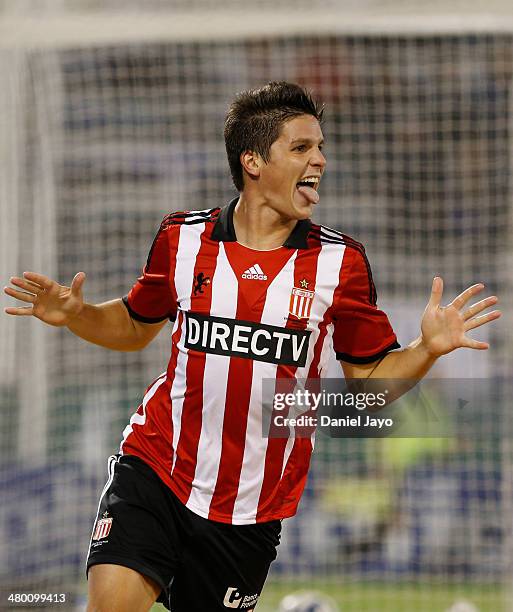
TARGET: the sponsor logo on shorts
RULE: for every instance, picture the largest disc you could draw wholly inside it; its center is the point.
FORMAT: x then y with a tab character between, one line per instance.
235	599
103	527
246	339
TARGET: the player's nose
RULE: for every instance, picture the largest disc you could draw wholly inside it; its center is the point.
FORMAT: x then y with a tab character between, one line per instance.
318	160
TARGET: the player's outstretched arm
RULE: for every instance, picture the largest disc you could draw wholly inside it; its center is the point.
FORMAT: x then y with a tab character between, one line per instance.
443	330
108	325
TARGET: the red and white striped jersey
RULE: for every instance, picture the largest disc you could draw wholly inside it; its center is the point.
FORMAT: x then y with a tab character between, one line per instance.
242	316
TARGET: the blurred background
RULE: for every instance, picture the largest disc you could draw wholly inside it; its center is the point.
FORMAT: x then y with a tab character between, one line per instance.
111	115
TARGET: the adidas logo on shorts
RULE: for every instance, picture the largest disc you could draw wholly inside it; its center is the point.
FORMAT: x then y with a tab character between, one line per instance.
255	273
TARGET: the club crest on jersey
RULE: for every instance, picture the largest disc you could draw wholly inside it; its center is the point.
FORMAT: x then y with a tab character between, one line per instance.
301	301
103	527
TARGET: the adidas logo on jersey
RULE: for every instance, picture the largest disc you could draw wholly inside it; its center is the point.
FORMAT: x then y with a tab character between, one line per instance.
255	273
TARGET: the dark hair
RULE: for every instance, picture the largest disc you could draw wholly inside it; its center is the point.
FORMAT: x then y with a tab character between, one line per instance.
255	118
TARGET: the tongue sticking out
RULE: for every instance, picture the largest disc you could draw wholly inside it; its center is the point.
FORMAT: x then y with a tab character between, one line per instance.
309	193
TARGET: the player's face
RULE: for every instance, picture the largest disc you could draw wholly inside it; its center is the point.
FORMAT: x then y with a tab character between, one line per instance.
296	155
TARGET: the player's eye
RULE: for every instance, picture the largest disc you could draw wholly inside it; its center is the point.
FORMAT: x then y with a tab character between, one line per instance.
300	148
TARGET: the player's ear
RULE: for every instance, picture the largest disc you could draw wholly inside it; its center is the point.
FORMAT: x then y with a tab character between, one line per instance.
251	163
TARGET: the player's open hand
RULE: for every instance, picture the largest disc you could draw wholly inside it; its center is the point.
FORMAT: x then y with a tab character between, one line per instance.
52	303
444	328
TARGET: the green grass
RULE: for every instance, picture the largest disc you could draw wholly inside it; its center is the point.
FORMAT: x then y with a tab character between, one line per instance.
393	597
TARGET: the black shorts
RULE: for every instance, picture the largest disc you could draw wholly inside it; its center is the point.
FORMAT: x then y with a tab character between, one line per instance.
200	564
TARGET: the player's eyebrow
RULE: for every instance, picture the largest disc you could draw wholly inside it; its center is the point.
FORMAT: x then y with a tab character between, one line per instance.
306	141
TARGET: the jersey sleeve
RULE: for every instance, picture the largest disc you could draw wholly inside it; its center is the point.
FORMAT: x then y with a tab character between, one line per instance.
362	333
152	298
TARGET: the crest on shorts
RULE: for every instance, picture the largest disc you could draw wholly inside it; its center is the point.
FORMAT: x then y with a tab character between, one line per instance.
301	299
103	526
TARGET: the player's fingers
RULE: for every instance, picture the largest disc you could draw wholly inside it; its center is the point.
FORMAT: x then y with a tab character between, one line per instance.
40	279
465	296
475	344
25	284
78	282
478	321
479	307
20	295
437	289
20	311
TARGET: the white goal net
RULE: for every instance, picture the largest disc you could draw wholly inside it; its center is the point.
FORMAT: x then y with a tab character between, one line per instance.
111	117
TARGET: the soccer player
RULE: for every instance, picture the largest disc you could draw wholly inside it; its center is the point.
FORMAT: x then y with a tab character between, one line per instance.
191	512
